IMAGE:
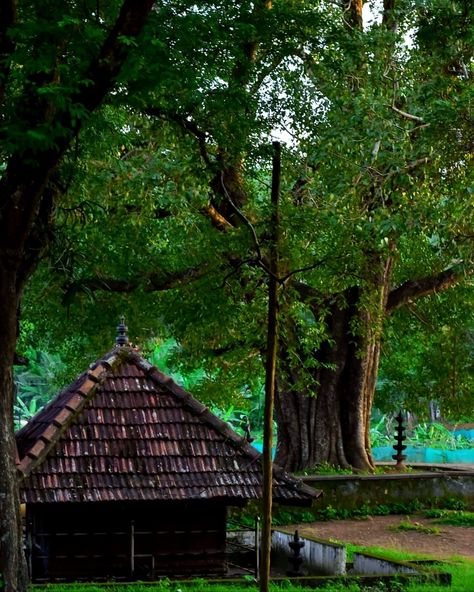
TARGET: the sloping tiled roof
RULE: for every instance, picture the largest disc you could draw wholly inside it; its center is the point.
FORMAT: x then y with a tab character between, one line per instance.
125	431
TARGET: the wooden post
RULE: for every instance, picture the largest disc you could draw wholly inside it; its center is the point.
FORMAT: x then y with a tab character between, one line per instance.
257	548
132	548
270	373
29	542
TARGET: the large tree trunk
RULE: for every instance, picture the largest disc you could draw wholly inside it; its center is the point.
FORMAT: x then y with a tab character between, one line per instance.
12	563
26	207
330	424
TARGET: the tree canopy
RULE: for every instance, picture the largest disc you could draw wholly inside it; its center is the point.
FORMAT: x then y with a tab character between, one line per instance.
135	163
150	213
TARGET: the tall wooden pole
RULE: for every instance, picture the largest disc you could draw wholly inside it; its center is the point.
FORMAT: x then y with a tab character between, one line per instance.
270	373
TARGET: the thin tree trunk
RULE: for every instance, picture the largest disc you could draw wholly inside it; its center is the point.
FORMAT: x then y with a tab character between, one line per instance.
270	379
12	562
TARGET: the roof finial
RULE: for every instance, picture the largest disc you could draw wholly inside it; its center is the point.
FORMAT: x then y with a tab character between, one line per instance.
122	338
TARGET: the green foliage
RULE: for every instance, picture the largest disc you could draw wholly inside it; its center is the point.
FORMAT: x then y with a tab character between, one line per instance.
162	356
428	356
454	504
286	516
380	432
408	525
451	517
436	435
36	383
360	184
331	513
283	516
432	435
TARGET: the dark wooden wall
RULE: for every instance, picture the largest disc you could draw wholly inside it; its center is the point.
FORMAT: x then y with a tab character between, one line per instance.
130	540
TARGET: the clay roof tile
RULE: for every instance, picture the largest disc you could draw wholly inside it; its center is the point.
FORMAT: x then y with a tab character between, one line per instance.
126	431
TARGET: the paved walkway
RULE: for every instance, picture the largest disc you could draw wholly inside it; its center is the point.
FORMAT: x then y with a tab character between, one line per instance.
465	467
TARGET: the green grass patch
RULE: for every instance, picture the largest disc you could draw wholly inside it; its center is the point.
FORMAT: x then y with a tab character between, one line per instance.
200	586
285	586
461	570
408	525
462	573
451	517
324	469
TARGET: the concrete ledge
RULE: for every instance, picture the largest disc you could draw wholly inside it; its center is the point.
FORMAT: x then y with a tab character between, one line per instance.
368	564
325	561
319	556
353	491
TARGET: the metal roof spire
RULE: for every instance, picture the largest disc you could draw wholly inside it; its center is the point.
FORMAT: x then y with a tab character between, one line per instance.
122	337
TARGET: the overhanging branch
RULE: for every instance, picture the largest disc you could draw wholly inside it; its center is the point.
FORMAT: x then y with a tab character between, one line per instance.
186	124
406	115
413	289
28	171
151	282
307	294
106	67
217	220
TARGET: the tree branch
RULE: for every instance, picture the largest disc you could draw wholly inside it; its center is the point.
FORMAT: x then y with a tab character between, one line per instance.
315	265
216	218
411	166
187	125
354	10
389	15
28	170
413	289
276	61
105	68
249	48
307	293
154	282
406	115
260	260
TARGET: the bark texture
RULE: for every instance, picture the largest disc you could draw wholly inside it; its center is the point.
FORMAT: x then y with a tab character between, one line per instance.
330	423
28	194
12	563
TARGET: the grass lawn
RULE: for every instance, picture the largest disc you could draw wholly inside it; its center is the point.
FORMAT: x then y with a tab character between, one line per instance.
460	568
462	571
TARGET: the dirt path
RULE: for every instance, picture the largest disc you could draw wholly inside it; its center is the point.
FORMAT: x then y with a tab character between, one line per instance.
378	531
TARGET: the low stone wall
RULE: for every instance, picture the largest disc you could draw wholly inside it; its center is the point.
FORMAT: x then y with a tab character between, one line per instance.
352	491
325	562
366	564
319	556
